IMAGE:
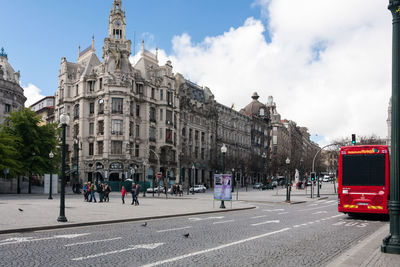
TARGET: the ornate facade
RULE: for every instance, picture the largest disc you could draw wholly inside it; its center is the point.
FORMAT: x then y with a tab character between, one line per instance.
11	93
123	117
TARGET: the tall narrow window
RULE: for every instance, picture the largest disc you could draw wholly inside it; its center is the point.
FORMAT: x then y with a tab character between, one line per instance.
76	111
161	114
137	110
7	108
117	105
91	128
91	149
136	150
152	114
101	127
116	147
161	94
152	134
153	93
116	127
101	83
137	134
101	106
100	147
91	108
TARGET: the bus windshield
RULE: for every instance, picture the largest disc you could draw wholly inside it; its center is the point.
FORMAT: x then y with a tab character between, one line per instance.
363	170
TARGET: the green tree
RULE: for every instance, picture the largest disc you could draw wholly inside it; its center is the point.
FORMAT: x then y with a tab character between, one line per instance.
9	154
35	141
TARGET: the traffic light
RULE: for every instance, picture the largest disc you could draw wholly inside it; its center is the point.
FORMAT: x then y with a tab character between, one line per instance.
353	139
313	176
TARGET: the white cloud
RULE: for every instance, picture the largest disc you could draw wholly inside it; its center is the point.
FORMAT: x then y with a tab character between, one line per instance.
32	93
328	65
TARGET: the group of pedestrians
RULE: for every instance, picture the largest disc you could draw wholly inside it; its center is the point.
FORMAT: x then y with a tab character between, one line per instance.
134	192
103	190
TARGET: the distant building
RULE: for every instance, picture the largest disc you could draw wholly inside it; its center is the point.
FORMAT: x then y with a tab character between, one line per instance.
45	109
11	93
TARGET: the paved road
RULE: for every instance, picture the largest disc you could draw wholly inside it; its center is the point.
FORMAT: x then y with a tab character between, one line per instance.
274	234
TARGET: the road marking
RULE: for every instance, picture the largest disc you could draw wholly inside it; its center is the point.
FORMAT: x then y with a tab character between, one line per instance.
223	221
207	218
274	210
312	205
93	241
318	207
174	229
145	246
16	240
261	216
274	221
318	212
283	212
213	249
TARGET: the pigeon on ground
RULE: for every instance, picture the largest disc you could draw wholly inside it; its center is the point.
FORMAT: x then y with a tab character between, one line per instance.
186	235
20	209
145	224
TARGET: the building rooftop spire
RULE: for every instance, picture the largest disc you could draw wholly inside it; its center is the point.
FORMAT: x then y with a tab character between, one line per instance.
2	53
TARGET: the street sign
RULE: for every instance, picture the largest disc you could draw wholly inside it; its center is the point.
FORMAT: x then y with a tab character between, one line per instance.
159	175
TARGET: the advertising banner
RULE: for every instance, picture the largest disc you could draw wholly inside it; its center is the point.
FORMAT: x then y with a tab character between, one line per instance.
54	190
223	187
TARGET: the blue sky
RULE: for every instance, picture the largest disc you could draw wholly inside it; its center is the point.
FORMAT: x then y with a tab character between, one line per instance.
315	57
36	34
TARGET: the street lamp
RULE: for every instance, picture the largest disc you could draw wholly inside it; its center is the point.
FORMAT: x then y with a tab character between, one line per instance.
144	178
287	180
233	180
193	170
391	243
64	120
223	152
51	155
264	156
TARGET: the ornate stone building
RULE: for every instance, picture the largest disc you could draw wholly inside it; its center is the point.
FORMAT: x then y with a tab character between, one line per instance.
197	132
11	94
123	118
234	130
260	138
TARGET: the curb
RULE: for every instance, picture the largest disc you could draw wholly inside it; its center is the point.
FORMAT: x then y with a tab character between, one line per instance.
51	227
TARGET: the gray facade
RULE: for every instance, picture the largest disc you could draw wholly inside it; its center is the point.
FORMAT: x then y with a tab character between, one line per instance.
11	93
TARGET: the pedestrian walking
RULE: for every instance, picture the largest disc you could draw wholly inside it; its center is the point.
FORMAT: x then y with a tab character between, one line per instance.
100	191
133	192
107	191
123	194
137	195
92	188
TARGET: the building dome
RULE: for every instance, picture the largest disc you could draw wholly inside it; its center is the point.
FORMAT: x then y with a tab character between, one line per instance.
255	107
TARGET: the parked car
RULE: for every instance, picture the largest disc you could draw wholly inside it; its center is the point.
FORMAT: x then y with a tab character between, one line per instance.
156	189
257	186
326	178
308	183
274	183
198	188
267	186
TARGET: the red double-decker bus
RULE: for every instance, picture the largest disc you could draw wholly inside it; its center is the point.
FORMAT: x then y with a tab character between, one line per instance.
364	178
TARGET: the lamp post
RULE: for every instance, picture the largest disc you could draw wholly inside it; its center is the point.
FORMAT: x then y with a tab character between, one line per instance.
193	180
51	155
64	120
223	152
233	180
144	178
391	243
287	180
264	156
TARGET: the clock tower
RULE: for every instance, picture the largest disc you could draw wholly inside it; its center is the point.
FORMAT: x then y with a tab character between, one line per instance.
117	49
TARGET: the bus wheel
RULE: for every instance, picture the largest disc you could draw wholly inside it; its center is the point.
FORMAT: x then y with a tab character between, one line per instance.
352	215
